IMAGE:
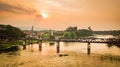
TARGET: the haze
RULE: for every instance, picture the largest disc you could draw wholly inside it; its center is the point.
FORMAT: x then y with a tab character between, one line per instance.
99	14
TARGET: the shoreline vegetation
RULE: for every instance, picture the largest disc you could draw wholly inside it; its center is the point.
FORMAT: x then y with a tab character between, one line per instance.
10	35
8	47
10	51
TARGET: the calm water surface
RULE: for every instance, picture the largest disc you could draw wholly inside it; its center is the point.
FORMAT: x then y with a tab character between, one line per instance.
95	48
102	55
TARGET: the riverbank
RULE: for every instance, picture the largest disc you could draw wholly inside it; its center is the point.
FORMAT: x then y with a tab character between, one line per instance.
11	46
71	59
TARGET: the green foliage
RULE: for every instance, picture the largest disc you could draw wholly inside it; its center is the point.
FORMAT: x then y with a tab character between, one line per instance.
52	37
71	29
45	36
70	33
73	33
84	33
114	32
9	33
58	33
67	35
6	45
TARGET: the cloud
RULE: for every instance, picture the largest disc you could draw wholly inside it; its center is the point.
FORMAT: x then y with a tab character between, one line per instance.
18	9
15	9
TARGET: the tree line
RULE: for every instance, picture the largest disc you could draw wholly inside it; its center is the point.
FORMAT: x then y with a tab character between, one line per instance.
112	32
74	33
10	33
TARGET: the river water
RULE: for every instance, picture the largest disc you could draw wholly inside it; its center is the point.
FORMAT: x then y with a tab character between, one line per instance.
101	55
95	48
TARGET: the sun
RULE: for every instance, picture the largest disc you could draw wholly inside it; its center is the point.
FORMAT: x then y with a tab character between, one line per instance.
44	15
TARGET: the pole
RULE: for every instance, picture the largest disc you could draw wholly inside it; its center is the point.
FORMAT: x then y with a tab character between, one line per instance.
88	48
40	45
58	46
24	44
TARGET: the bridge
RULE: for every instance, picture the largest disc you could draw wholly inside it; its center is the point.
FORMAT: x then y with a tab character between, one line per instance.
84	40
93	40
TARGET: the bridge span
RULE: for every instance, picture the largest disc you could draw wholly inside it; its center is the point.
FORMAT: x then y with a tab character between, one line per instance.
85	40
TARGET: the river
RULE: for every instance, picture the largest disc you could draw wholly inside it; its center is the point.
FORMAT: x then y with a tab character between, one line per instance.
100	55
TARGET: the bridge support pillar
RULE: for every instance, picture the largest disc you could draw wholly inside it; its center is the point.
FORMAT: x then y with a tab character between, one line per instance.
31	43
40	45
24	44
88	48
58	46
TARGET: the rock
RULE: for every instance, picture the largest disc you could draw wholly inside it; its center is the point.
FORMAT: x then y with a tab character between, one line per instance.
60	55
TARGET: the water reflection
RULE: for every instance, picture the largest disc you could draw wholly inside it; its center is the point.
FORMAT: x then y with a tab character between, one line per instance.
24	47
88	48
68	43
44	55
118	45
77	54
58	46
97	48
40	45
112	45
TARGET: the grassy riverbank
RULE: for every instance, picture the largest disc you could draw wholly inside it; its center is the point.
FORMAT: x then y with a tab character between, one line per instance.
5	46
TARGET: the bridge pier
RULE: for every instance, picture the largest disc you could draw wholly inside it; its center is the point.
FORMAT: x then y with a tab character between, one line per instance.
31	41
24	44
88	48
40	45
58	46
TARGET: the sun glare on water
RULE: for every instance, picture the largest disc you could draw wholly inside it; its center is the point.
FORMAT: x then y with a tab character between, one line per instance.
44	15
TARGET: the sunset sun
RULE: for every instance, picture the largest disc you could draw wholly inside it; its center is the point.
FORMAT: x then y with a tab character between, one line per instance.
44	15
60	33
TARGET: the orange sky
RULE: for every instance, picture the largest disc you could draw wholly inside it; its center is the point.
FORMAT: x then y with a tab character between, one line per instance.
99	14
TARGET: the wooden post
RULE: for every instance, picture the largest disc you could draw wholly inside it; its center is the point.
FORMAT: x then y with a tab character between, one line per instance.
31	43
58	46
24	44
88	48
40	45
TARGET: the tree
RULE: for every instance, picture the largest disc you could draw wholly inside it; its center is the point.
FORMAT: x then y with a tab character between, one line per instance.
73	35
9	33
111	32
89	28
73	32
70	32
67	35
84	33
71	29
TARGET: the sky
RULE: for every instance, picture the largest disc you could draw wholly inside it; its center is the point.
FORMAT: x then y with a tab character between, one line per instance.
60	14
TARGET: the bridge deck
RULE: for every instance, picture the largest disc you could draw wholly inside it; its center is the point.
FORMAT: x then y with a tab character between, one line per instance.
85	40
